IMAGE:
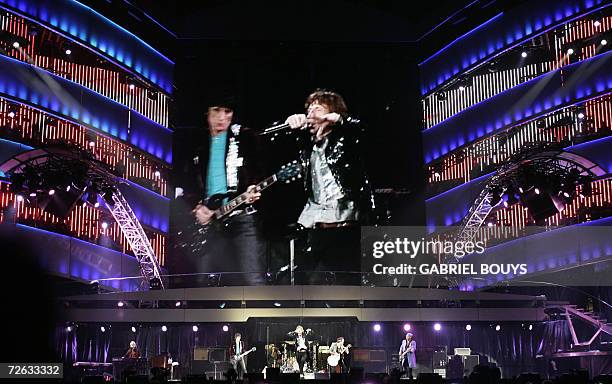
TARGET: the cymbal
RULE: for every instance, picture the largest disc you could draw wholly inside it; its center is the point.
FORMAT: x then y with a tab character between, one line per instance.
289	342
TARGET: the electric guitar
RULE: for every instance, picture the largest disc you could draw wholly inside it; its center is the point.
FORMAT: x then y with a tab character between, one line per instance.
194	235
235	358
334	358
401	356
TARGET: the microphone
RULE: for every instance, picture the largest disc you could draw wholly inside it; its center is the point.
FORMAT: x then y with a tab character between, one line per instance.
281	127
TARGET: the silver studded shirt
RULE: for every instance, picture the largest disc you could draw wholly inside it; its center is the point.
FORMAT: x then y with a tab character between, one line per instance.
327	204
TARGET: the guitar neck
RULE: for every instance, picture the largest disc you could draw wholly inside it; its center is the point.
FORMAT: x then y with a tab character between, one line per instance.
242	198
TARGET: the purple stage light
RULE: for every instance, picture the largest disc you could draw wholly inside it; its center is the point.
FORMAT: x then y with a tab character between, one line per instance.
225	328
120	304
177	304
468	327
134	329
407	327
497	327
102	329
195	328
376	327
437	327
164	328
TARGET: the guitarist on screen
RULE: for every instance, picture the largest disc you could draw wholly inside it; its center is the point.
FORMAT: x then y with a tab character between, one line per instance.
229	162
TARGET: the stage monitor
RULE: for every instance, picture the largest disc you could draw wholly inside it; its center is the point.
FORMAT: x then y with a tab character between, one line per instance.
463	351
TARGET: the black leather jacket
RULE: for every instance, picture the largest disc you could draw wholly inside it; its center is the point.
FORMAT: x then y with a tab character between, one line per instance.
344	156
249	172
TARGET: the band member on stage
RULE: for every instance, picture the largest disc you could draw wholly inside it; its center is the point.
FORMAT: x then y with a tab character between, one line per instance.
407	354
338	190
229	162
238	362
301	346
338	348
132	352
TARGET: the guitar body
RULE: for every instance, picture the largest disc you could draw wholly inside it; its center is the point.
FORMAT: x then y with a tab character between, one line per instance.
193	236
333	360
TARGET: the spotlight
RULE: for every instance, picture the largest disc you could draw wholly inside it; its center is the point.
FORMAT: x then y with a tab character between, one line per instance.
69	329
222	305
19	198
102	329
523	54
537	191
461	88
437	327
68	51
16	45
581	115
51	192
104	225
157	173
92	143
596	23
134	329
521	190
68	189
531	327
441	96
195	328
164	328
497	327
33	194
132	86
604	42
407	327
11	114
377	327
120	304
225	328
277	304
570	51
468	327
96	204
177	304
213	280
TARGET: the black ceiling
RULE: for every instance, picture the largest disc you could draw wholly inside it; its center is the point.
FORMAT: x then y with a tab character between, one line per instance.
430	24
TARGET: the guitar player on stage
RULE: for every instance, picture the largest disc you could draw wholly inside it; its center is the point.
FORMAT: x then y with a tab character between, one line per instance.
407	354
338	359
229	161
237	360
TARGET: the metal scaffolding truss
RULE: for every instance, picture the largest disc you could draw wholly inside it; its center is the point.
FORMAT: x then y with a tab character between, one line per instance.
88	174
541	156
136	237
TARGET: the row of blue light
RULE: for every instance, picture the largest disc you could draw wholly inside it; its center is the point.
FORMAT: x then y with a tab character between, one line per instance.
584	80
17	83
92	30
497	35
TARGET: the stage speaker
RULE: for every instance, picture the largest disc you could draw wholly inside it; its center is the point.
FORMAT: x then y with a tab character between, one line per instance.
429	378
469	362
200	353
254	377
290	378
199	367
440	360
322	376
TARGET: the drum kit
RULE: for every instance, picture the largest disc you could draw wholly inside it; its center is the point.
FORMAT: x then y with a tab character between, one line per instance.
285	357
